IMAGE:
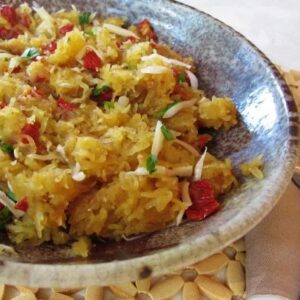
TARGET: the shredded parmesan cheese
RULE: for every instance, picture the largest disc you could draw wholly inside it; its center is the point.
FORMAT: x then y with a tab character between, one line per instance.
61	150
10	205
178	107
158	139
199	166
184	171
119	30
166	60
193	79
78	175
155	70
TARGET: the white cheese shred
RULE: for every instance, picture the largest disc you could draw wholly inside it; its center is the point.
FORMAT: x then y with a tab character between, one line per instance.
167	60
119	30
78	175
158	139
10	205
171	112
199	166
193	79
155	70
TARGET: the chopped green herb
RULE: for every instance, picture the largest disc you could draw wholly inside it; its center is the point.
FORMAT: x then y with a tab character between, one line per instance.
98	91
151	163
5	217
90	33
167	133
161	113
108	105
181	78
6	148
30	53
12	196
84	18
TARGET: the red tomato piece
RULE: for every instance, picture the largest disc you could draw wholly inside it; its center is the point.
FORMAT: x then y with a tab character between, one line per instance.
2	105
66	28
22	204
9	13
203	199
51	47
106	96
7	34
65	105
16	70
33	130
204	139
91	61
132	39
145	30
25	20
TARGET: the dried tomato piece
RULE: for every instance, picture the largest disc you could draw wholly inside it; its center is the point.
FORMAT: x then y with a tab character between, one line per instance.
65	105
51	47
16	70
203	140
22	204
91	61
25	20
33	130
132	39
66	28
9	13
145	30
203	199
7	34
2	105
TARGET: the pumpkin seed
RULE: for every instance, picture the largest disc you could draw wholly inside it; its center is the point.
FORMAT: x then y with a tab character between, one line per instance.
241	257
191	292
167	288
214	290
94	293
239	245
125	290
25	297
230	252
2	290
59	296
189	274
213	264
143	285
26	290
236	278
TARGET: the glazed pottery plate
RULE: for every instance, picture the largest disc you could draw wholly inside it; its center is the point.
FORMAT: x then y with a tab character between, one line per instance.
227	65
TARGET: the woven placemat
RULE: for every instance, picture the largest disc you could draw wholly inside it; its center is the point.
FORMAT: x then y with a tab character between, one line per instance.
221	276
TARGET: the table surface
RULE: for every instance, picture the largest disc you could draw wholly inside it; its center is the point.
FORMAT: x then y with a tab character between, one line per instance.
272	25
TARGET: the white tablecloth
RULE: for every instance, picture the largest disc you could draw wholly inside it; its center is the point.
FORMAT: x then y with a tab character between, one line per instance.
273	25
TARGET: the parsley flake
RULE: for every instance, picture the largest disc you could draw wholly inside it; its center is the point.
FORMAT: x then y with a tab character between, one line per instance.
30	53
6	148
181	78
161	113
5	217
151	163
99	90
108	105
167	133
84	18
